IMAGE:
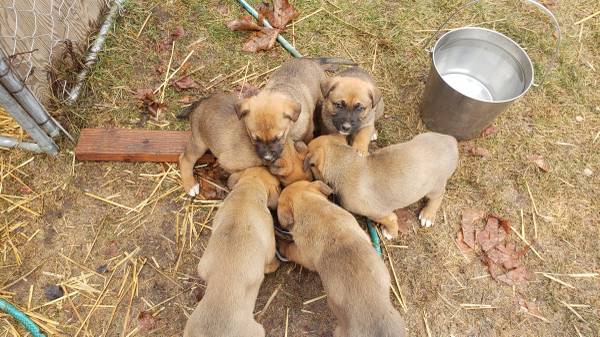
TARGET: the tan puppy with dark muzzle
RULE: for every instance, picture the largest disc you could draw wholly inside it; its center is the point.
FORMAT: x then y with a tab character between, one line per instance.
351	104
215	127
284	108
328	240
240	251
388	179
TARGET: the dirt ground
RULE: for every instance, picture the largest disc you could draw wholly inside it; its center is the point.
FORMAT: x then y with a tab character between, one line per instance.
123	241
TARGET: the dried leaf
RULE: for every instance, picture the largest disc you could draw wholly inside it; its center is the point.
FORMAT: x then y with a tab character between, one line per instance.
168	41
261	40
539	162
462	246
264	10
406	220
243	23
469	217
149	104
177	33
506	255
475	151
146	321
517	276
184	82
491	235
490	130
282	14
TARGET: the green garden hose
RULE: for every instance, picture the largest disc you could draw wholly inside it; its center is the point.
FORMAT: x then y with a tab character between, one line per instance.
17	314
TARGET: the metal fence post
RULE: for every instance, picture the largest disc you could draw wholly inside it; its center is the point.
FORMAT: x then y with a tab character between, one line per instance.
26	98
45	143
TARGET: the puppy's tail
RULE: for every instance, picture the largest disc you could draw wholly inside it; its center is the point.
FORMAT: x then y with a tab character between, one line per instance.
332	60
185	112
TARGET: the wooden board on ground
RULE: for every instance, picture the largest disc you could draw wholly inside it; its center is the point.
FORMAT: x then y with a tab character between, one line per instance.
132	145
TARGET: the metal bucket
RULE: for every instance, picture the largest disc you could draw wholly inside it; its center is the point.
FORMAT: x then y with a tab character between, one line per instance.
476	73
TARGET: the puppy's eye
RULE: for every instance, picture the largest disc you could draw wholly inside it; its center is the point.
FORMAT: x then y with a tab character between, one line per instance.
340	104
359	108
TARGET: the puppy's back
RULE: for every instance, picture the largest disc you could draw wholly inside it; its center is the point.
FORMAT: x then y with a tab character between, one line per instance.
214	120
433	152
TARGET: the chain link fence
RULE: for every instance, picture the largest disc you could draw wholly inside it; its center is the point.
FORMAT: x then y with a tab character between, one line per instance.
34	36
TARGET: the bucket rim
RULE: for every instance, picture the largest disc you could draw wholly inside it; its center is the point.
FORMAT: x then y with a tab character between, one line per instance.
525	90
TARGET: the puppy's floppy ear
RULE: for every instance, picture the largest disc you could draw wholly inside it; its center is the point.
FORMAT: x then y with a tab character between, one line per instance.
284	214
233	179
322	187
313	159
241	108
327	85
294	113
375	95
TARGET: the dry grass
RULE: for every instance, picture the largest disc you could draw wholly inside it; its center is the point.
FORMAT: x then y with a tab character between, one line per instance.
9	127
121	239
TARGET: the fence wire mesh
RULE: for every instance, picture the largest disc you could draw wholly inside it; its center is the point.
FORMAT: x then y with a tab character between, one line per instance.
34	32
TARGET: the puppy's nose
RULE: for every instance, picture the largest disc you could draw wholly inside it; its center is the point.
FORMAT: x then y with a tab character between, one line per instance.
346	126
268	156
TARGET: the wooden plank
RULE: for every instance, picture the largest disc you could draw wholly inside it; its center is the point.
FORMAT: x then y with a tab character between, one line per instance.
132	145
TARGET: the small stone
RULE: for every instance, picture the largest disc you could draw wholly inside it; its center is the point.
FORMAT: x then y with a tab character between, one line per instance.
53	291
588	172
579	119
102	269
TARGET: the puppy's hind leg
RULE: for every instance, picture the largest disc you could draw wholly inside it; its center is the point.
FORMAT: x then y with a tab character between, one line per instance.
390	225
194	149
434	201
290	250
272	265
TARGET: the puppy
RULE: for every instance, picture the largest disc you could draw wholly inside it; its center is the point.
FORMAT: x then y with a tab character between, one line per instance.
215	127
240	251
328	240
390	178
351	104
284	107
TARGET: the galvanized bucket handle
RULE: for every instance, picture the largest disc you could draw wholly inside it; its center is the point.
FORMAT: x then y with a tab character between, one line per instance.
536	3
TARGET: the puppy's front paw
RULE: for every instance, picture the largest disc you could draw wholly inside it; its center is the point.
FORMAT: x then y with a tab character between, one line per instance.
426	219
374	136
194	191
386	234
279	167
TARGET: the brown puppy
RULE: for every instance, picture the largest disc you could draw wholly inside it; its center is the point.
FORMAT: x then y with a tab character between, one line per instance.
328	240
240	251
351	104
215	127
283	108
390	178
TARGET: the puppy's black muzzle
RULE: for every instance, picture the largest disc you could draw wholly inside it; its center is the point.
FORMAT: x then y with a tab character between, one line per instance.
346	122
269	151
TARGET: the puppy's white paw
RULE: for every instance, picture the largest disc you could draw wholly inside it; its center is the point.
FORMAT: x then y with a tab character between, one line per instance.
386	234
374	136
194	191
425	222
